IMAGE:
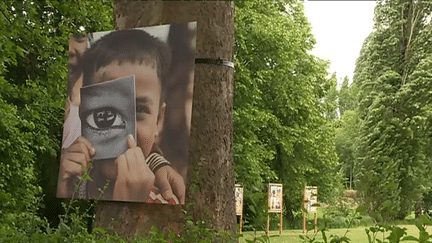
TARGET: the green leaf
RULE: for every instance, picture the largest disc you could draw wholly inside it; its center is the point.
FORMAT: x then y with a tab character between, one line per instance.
424	218
361	209
411	238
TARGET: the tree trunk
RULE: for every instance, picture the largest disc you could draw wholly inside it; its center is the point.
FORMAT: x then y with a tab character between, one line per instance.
210	189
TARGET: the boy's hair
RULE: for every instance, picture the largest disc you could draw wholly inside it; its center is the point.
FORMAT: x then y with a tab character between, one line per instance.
133	46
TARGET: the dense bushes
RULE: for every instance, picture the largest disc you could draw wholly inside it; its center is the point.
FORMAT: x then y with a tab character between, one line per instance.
28	227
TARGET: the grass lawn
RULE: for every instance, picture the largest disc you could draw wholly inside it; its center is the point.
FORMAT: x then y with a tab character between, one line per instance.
357	235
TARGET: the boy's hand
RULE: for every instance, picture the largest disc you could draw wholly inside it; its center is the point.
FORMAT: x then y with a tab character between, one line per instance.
72	160
134	177
169	181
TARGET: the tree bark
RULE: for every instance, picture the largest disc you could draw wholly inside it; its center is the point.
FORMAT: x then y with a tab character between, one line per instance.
210	188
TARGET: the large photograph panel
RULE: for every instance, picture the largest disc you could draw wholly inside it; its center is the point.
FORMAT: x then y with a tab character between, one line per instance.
135	82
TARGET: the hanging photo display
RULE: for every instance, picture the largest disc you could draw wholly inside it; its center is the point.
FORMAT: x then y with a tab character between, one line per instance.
128	114
275	195
310	198
239	199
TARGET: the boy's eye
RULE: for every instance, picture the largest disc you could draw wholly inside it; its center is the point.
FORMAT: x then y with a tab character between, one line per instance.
105	118
142	109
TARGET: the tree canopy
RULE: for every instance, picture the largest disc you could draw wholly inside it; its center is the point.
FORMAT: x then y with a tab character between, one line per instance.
393	75
281	133
34	40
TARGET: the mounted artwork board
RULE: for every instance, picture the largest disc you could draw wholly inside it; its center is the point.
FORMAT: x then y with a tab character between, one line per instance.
310	198
239	203
275	203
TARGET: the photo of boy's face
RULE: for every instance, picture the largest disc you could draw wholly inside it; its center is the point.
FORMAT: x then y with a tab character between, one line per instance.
107	115
149	111
135	82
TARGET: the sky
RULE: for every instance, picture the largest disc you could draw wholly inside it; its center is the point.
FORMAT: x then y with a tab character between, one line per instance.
340	28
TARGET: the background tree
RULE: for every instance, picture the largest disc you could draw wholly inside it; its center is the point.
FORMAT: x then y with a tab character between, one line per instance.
346	141
393	75
347	96
281	133
330	100
346	138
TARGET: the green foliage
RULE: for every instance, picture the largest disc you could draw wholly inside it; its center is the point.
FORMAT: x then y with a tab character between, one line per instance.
323	228
262	238
28	227
347	131
330	101
346	140
393	75
342	214
375	233
281	132
34	40
397	234
347	96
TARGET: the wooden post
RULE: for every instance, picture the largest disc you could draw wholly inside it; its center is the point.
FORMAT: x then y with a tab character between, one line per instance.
280	224
210	172
304	222
281	217
316	222
304	208
268	224
241	223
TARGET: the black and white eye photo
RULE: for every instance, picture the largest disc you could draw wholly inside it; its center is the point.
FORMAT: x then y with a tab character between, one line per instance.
108	115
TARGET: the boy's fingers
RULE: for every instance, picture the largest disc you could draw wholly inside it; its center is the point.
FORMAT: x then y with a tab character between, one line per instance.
77	158
131	160
120	191
131	141
170	184
79	148
88	145
168	195
121	166
179	189
73	169
165	189
140	157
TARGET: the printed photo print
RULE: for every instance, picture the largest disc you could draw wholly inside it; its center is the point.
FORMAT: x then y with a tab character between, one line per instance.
275	198
239	199
310	198
128	114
